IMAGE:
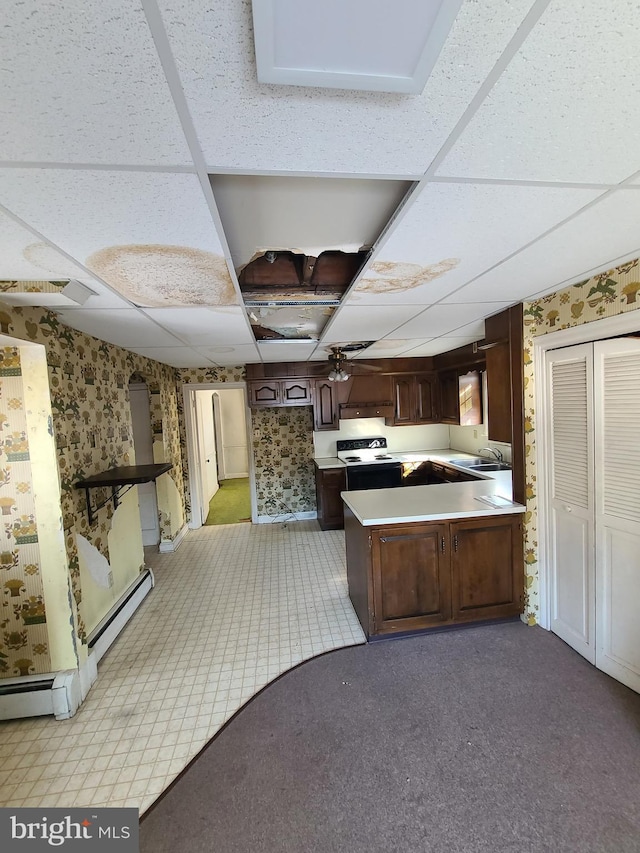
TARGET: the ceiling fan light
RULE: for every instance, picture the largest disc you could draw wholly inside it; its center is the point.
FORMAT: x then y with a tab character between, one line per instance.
338	376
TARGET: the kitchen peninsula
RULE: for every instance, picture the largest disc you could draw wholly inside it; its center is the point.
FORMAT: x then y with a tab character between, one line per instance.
431	556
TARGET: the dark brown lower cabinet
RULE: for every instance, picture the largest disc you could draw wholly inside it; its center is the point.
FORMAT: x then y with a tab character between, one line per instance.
329	483
411	577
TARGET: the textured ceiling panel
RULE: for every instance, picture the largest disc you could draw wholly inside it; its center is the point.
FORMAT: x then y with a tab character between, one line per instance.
242	124
286	351
231	355
386	348
204	327
174	356
367	323
148	235
125	328
591	241
445	319
23	255
568	106
447	342
82	83
453	232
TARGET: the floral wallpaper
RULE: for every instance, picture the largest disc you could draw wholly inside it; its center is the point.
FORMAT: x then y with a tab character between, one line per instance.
282	440
604	295
24	646
91	415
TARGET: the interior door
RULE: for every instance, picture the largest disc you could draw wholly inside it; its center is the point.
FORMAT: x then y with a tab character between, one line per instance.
617	505
206	441
570	492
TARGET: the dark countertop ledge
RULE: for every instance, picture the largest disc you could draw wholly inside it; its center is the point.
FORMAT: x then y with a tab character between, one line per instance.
125	475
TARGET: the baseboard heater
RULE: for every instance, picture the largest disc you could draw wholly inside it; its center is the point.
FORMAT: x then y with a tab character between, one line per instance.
61	693
106	631
57	694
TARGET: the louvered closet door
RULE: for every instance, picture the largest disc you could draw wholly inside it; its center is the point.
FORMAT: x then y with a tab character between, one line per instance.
617	420
570	491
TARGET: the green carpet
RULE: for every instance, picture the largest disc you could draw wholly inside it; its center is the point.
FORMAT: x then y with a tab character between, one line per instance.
231	503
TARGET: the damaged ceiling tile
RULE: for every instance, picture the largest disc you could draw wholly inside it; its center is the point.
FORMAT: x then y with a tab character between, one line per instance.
154	276
394	277
279	323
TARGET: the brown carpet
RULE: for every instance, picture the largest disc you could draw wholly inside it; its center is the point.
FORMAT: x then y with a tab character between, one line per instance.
494	738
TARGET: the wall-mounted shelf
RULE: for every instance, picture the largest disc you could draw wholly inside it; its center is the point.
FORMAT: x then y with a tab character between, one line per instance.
117	479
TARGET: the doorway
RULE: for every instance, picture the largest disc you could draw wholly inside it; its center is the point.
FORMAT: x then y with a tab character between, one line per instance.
218	424
143	449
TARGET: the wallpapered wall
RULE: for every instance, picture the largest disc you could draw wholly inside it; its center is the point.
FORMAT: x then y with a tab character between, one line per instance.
282	448
88	382
24	647
605	295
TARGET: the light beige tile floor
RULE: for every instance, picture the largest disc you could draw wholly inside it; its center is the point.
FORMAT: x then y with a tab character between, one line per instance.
232	609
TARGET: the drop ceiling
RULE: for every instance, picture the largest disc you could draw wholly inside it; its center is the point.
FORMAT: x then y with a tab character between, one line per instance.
128	128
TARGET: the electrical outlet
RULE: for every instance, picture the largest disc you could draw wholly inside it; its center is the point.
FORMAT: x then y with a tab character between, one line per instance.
110	578
475	433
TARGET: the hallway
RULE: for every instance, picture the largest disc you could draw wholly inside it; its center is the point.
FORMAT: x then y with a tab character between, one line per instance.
233	608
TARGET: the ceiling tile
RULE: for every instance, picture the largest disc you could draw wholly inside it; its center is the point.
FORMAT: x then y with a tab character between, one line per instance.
567	108
366	323
205	326
446	319
453	232
25	256
386	348
231	355
174	356
82	82
286	350
444	344
245	125
124	328
593	240
151	236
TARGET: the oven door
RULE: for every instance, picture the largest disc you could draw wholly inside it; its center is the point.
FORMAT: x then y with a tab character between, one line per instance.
383	475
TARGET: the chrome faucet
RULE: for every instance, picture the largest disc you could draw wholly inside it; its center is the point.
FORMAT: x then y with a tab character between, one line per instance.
496	453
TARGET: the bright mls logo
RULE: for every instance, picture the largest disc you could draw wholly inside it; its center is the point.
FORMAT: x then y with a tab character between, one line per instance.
29	830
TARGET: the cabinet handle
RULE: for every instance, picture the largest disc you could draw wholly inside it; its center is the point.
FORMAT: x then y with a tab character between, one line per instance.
442	544
455	542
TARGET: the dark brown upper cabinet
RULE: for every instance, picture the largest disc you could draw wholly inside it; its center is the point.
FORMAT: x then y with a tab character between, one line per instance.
415	399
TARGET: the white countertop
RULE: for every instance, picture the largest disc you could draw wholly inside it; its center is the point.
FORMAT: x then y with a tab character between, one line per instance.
439	502
430	503
446	455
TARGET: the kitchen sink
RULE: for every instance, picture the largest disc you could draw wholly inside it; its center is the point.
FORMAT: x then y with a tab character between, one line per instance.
481	464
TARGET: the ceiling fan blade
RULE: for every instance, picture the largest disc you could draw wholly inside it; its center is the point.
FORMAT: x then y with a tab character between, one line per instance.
371	367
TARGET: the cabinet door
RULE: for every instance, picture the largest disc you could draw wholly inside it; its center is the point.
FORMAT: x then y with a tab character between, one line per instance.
470	398
404	400
296	392
266	393
329	483
450	407
325	405
411	577
426	399
487	568
499	393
